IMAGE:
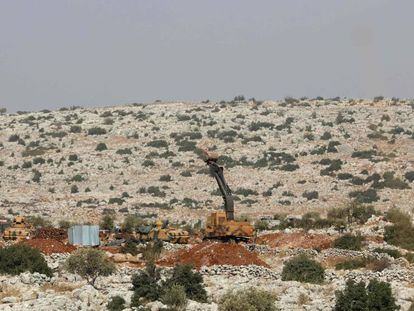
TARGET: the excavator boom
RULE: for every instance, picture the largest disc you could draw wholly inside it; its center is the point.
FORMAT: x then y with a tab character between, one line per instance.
217	172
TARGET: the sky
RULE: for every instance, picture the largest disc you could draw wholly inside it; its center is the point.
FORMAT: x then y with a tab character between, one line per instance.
57	53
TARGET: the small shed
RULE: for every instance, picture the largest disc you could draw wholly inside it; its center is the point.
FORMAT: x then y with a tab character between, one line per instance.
84	235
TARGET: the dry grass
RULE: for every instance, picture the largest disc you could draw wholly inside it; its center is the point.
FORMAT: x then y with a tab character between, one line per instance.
303	299
61	287
332	261
8	291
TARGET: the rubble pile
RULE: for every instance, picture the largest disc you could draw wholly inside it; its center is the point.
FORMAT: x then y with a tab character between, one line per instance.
51	233
50	246
214	253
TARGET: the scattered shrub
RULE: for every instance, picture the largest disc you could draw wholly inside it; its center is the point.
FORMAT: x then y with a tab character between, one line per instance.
117	303
175	297
351	264
394	253
96	131
356	296
75	129
310	195
107	223
368	196
19	258
401	232
101	147
166	178
303	269
192	282
409	176
124	151
158	143
146	285
129	247
14	138
148	163
349	241
251	299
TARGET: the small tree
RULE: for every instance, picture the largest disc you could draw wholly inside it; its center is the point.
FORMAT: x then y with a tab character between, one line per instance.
191	280
89	263
117	303
64	224
129	248
107	223
376	296
145	284
303	269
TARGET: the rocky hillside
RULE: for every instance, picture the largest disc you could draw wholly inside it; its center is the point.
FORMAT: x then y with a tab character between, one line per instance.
291	156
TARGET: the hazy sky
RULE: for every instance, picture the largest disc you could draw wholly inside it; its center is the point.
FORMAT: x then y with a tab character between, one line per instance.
56	53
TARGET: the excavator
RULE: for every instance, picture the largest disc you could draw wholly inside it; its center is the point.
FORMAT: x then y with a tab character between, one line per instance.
221	225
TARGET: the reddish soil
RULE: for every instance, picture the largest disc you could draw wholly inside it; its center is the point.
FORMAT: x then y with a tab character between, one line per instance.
51	233
213	253
296	240
50	246
110	249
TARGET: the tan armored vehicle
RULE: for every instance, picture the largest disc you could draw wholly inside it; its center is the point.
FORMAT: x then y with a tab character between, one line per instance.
19	230
162	231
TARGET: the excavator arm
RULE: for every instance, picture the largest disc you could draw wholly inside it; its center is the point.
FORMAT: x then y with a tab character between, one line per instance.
217	172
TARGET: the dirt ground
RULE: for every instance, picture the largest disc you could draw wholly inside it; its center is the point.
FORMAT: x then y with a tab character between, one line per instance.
213	253
296	240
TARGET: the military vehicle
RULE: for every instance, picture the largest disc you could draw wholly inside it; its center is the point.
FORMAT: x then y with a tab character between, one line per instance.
163	232
19	230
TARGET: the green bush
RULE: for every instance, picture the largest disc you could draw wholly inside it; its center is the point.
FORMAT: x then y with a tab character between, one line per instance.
75	129
310	195
166	178
401	232
148	163
303	269
349	241
409	176
368	196
160	143
394	253
351	264
251	299
107	223
352	213
175	297
89	263
117	303
191	280
145	285
96	131
357	296
101	147
39	222
129	247
124	151
19	258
